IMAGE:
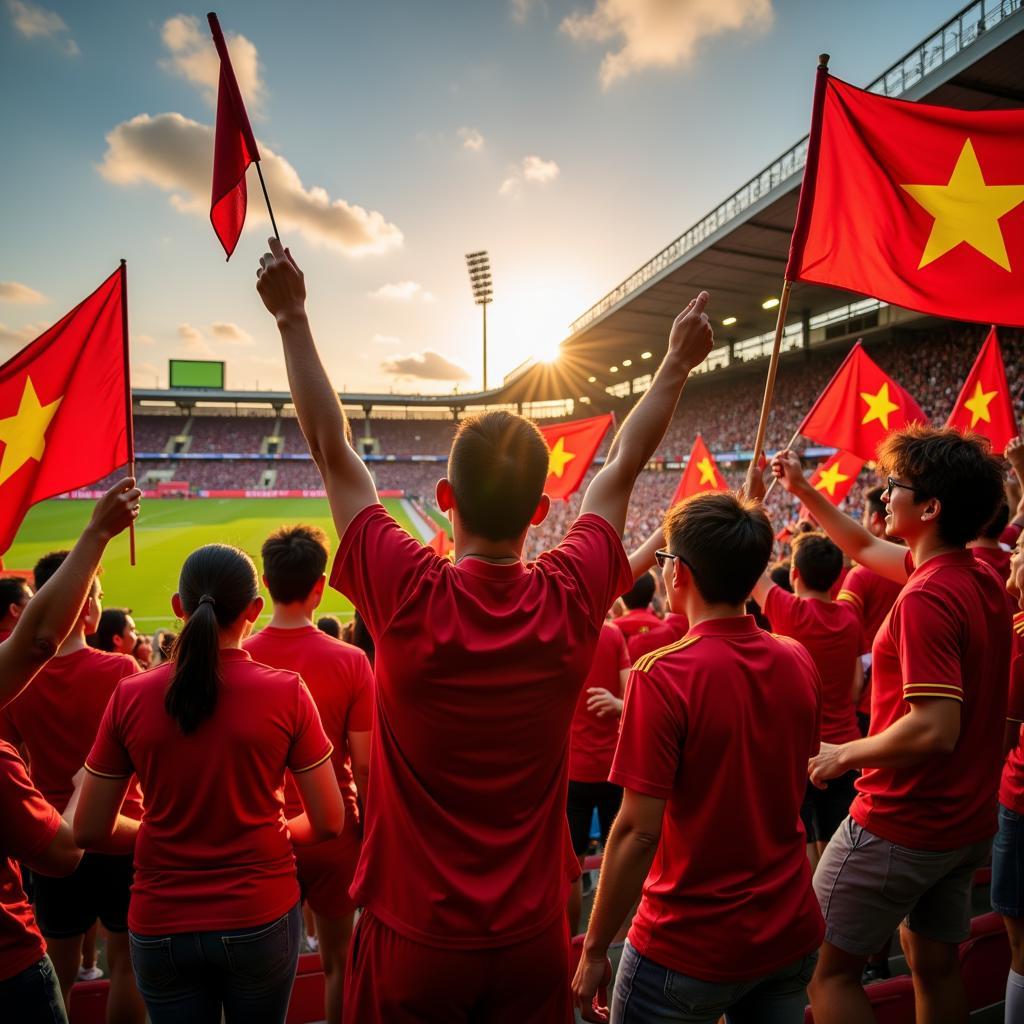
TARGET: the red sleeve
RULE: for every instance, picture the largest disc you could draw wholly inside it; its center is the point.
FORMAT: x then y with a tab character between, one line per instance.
620	643
928	638
855	590
8	730
651	737
30	822
785	611
594	561
360	712
376	565
109	757
310	745
1015	704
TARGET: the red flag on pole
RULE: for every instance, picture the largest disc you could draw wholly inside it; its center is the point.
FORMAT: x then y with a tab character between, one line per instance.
835	476
701	475
984	405
234	149
573	447
63	421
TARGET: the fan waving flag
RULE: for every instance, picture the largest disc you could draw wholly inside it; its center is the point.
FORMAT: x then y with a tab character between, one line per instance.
860	406
835	476
701	475
63	416
984	405
921	206
233	150
573	447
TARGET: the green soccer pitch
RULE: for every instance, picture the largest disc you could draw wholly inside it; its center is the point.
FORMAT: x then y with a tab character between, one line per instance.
165	533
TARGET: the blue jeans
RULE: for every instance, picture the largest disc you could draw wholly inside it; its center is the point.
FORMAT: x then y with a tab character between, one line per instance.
1007	892
646	993
33	996
191	976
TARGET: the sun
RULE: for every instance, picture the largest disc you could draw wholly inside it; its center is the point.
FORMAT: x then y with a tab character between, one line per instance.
548	350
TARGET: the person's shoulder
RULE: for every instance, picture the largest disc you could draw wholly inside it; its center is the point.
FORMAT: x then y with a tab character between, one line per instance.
672	657
109	662
11	762
787	648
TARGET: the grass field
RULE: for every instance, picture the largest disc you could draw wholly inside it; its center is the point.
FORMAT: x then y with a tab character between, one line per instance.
166	532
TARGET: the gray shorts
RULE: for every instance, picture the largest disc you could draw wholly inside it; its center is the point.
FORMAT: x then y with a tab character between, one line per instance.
866	886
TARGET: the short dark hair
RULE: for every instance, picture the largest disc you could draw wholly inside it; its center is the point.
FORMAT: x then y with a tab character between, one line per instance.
294	558
779	573
113	622
817	559
329	624
13	590
47	566
993	529
641	593
873	501
956	468
726	541
497	468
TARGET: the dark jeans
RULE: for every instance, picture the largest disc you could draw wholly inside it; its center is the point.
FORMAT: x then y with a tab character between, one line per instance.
647	993
33	996
191	976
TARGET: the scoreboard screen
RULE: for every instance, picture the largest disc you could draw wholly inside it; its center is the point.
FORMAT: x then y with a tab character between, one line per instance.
196	373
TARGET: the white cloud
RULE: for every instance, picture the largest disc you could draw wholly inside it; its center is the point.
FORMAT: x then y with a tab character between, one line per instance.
145	340
426	365
471	139
194	342
532	170
385	339
520	9
20	335
660	33
194	57
230	333
402	291
15	291
35	22
175	154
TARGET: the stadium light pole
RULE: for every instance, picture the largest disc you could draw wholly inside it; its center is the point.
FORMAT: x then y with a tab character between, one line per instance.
479	266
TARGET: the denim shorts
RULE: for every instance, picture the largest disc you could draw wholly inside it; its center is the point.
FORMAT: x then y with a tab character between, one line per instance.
1007	891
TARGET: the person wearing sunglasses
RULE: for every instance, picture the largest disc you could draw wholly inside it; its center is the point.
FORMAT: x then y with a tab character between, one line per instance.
925	813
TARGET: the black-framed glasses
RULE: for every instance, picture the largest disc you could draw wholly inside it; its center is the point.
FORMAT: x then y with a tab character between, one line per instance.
664	556
891	482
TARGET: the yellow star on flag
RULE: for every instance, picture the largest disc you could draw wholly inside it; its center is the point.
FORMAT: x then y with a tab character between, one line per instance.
707	472
830	479
879	406
966	209
24	433
978	404
559	457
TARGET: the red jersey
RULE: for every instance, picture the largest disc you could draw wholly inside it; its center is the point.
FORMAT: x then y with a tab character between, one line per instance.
872	596
644	632
1011	788
213	852
340	681
998	558
30	824
721	725
56	717
679	624
948	635
593	738
479	665
831	632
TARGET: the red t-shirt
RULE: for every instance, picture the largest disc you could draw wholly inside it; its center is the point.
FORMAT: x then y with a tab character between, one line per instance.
831	632
679	624
1011	788
948	635
644	632
593	738
998	558
213	852
340	681
721	727
56	717
478	668
29	825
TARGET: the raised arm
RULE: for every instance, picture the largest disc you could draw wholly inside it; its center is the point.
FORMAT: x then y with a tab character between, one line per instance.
51	615
688	344
1015	456
348	483
642	559
883	556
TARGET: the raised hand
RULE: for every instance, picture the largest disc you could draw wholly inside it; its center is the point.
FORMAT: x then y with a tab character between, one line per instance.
787	470
691	337
1015	456
116	510
281	284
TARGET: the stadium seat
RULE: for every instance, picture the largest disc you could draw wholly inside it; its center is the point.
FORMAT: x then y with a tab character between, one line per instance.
88	1002
892	1001
985	961
307	1002
593	862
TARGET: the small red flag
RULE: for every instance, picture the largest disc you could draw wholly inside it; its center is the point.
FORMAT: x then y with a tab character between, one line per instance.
701	475
984	405
63	421
918	205
573	447
442	544
860	406
835	476
234	149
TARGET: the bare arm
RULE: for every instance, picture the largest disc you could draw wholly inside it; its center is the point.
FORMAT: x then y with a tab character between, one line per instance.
61	856
689	343
95	810
51	615
323	814
359	750
642	560
1015	456
348	483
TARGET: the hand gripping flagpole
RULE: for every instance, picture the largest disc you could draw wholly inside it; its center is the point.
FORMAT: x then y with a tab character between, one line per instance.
129	423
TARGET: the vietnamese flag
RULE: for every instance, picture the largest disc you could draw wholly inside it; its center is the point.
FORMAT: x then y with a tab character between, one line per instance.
701	475
860	406
835	476
920	206
573	447
64	404
234	149
984	405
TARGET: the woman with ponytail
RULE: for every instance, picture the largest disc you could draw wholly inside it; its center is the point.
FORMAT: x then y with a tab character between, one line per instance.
214	916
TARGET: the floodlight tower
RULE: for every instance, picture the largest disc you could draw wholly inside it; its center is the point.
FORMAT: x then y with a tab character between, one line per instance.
479	266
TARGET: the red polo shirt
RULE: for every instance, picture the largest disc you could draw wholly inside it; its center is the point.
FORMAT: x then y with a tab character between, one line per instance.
998	558
721	726
1011	788
478	669
644	632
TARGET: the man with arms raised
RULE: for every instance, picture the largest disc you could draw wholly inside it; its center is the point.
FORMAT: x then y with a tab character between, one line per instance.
466	856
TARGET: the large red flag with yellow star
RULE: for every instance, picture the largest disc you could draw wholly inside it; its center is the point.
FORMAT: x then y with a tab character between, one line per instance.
918	205
835	476
63	407
860	406
573	447
984	405
701	475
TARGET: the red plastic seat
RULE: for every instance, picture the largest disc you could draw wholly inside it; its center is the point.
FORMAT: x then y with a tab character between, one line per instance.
985	961
307	1002
88	1002
593	862
892	1001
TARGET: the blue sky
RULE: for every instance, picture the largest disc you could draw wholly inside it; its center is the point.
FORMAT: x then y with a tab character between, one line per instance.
572	139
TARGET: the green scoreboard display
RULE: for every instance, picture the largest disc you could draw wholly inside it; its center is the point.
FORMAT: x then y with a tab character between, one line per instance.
196	373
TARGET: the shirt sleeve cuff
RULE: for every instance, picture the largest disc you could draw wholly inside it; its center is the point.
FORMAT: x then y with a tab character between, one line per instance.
103	774
950	691
315	764
643	786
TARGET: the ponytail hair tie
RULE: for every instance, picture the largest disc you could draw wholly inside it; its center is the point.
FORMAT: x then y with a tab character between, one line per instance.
207	599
